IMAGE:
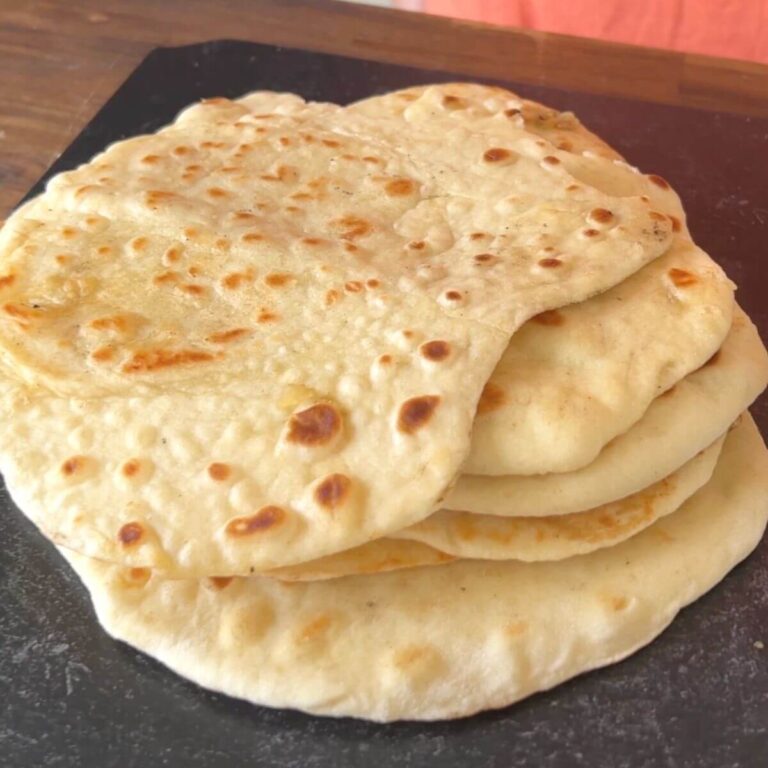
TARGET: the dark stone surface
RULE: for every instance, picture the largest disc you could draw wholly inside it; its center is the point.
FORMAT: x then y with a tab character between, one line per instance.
698	696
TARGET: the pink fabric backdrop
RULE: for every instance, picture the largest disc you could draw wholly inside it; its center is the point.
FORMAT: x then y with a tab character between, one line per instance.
735	29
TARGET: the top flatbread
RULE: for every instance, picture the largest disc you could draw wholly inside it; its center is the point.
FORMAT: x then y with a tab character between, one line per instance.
570	382
222	355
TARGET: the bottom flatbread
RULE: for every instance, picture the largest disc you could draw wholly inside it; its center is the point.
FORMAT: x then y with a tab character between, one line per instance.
441	642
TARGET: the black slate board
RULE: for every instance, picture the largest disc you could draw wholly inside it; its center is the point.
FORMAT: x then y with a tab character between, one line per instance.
696	697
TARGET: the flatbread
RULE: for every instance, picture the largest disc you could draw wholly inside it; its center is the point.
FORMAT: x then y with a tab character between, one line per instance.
676	426
534	539
574	380
379	556
226	357
443	642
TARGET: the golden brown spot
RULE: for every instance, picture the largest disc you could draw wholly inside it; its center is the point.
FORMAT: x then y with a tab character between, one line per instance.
172	254
150	159
565	145
572	188
550	261
372	160
166	277
252	237
212	144
550	160
22	314
436	350
103	250
224	337
220	582
452	102
266	518
331	143
283	173
351	227
216	192
416	245
681	278
618	603
658	181
385	359
157	359
484	258
7	280
63	258
550	317
677	225
285	141
103	354
333	491
512	112
218	471
351	248
73	466
278	279
416	412
80	191
331	297
131	468
590	233
118	323
408	334
192	289
193	168
372	283
236	279
130	534
138	243
181	150
292	208
656	216
155	196
68	232
312	241
301	196
399	187
491	398
136	577
315	425
452	295
353	286
478	236
244	216
221	244
496	155
601	215
265	316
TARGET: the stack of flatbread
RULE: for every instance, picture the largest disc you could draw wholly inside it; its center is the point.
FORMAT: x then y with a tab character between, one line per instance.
402	410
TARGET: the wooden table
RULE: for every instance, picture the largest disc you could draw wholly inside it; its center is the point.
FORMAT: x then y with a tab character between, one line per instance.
61	60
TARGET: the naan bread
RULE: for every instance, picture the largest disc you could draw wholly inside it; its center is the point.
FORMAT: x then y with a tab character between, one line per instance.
225	354
676	426
377	556
574	380
441	642
533	539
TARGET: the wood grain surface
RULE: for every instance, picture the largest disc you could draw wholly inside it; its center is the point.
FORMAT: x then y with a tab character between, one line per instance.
61	59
